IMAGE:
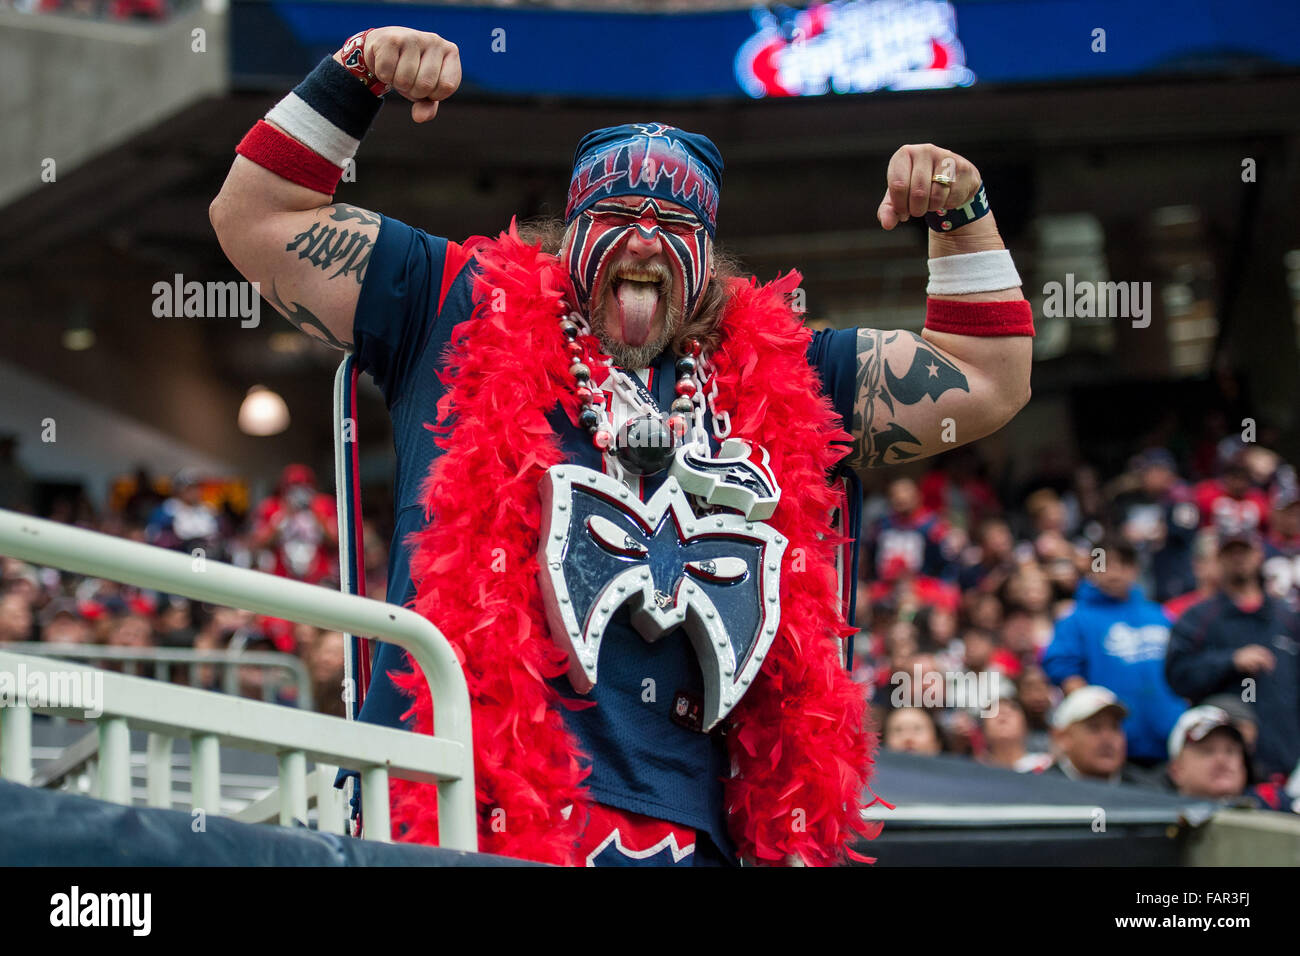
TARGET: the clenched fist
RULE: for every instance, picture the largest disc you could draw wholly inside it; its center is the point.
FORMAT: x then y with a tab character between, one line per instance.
423	67
911	191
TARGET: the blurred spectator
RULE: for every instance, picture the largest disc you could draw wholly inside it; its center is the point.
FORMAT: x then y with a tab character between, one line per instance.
1006	737
1159	519
325	665
985	612
1116	638
1019	644
957	489
130	630
298	526
1230	503
907	539
144	498
1207	759
21	578
217	626
913	730
185	521
1245	642
990	562
1207	755
1028	588
61	623
252	679
175	623
1034	692
1088	740
1282	547
977	649
1242	714
1047	512
937	632
1085	504
1205	569
15	618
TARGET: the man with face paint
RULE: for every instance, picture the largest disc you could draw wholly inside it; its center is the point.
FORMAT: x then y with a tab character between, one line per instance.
523	375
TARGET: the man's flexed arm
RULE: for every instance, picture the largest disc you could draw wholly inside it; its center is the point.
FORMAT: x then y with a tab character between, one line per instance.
274	216
967	373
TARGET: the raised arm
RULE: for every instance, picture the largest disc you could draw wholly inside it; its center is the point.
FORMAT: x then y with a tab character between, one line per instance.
274	216
918	395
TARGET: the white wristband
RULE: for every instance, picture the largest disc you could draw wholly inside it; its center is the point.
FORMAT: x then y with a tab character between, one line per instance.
296	117
988	271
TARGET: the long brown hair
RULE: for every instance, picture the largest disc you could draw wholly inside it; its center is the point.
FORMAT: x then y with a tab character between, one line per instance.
705	325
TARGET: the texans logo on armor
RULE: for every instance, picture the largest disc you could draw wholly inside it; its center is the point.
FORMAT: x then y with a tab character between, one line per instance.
717	577
738	477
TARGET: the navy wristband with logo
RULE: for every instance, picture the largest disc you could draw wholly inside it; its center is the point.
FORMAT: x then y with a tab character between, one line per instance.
946	220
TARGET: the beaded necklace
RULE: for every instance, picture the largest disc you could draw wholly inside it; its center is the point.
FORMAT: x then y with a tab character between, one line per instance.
646	443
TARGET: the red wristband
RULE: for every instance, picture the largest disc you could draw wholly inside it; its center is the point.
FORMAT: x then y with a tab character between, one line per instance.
285	156
354	61
979	318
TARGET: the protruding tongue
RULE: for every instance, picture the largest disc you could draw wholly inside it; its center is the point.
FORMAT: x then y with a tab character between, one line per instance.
637	302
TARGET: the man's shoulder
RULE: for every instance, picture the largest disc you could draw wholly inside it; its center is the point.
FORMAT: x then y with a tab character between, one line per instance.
1283	612
1200	611
1152	612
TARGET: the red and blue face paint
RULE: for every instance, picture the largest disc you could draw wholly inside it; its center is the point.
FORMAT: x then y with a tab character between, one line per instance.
675	172
605	228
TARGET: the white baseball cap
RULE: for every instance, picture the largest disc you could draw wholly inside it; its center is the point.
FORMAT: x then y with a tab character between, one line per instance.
1083	703
1196	724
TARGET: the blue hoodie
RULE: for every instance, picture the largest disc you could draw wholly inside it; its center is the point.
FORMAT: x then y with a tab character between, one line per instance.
1121	646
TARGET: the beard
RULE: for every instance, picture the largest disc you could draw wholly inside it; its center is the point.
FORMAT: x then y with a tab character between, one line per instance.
1238	579
629	356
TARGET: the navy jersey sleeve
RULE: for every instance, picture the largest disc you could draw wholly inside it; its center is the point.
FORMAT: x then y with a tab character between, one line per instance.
834	354
398	303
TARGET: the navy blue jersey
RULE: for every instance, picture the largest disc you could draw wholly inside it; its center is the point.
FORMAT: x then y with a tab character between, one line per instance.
416	290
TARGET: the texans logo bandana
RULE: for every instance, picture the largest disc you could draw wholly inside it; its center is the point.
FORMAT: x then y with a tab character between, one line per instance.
658	162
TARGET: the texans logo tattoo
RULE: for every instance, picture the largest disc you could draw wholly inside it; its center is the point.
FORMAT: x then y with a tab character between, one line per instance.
929	376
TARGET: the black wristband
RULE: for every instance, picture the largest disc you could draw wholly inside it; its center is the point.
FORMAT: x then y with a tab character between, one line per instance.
337	95
946	220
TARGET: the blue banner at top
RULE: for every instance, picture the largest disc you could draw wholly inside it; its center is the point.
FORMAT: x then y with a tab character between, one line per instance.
835	47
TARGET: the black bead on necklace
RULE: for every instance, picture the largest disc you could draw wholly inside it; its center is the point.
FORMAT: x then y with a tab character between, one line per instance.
645	444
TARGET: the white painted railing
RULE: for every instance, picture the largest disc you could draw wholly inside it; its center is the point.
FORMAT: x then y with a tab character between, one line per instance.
163	659
210	719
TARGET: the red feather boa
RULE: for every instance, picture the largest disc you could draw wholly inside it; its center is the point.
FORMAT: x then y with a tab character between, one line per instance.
801	743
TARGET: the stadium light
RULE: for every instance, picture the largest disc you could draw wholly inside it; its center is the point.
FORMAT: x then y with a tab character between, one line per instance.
263	412
78	334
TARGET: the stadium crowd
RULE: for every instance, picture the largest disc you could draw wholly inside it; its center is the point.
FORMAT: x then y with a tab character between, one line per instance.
1143	630
292	533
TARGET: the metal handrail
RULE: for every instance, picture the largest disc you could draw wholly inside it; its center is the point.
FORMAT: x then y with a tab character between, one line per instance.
227	660
88	552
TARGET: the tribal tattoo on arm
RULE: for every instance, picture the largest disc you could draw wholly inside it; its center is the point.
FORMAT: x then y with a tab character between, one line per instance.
327	247
305	321
879	438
